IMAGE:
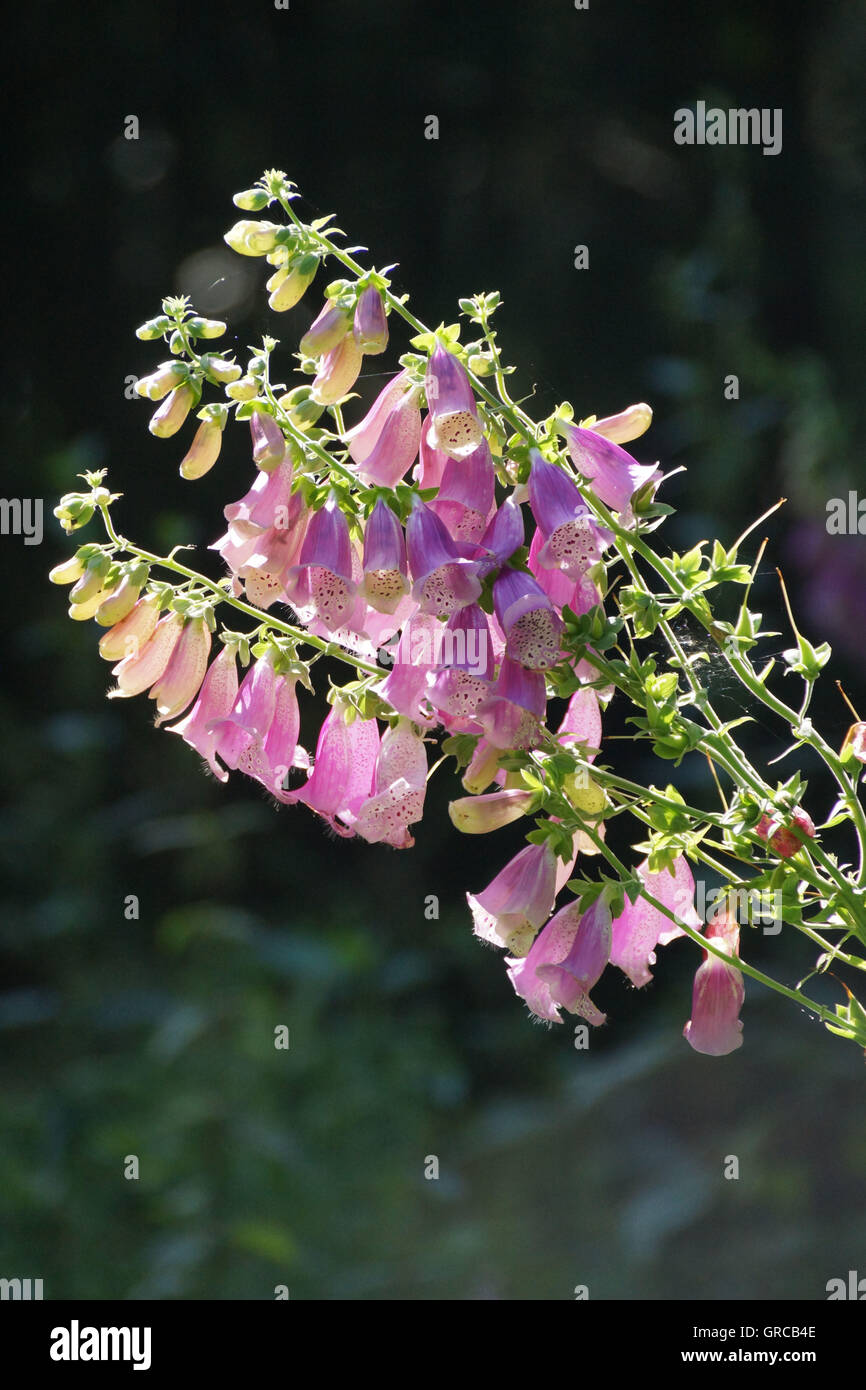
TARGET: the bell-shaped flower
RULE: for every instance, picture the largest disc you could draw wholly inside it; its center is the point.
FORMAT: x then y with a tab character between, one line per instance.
269	442
445	578
511	714
518	901
144	666
641	927
342	776
128	636
613	474
371	323
214	703
321	584
572	539
384	444
466	494
326	331
416	655
399	784
432	462
581	595
567	958
465	674
264	505
714	1027
181	680
478	815
384	583
504	534
265	562
456	429
532	627
338	371
259	735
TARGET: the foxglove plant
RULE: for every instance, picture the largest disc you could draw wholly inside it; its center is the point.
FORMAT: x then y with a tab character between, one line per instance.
397	546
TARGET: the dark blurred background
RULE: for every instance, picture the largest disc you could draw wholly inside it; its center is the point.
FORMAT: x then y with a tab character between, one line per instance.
154	1037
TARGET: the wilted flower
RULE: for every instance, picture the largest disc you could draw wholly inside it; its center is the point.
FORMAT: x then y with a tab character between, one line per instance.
566	960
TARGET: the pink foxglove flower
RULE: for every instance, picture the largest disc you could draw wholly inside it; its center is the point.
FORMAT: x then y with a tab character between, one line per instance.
511	714
416	655
445	578
258	736
214	702
142	668
127	637
581	595
572	539
399	784
466	494
517	902
342	776
385	443
432	462
714	1027
269	443
321	584
582	721
338	371
567	958
181	680
384	583
466	675
456	429
532	628
371	324
640	927
614	475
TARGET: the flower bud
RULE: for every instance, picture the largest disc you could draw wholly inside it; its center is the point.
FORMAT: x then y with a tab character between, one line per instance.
168	419
338	371
326	331
167	376
251	238
73	511
205	448
477	815
154	328
628	424
92	580
120	604
293	284
243	390
269	444
68	572
783	838
130	634
206	328
219	370
137	672
251	200
371	325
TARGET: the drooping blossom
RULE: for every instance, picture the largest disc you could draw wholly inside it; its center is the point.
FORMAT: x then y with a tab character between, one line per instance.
326	331
466	494
567	958
510	910
465	676
342	776
715	1027
432	462
338	371
478	815
127	637
371	324
613	474
529	621
214	702
181	680
456	429
385	443
384	583
321	585
445	578
399	784
640	927
259	734
415	657
573	541
511	714
144	666
268	440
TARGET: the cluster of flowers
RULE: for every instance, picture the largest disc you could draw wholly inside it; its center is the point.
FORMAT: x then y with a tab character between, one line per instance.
439	572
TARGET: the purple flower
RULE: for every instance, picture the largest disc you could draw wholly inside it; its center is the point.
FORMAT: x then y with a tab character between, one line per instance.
714	1027
466	494
342	776
517	902
615	476
431	461
269	444
465	676
214	703
371	325
385	582
456	429
566	960
528	619
326	331
572	539
511	715
640	927
321	584
399	784
445	579
259	735
581	595
504	534
405	689
385	443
